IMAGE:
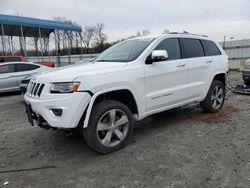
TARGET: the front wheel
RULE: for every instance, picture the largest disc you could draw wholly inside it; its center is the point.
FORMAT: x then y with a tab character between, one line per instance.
110	126
215	97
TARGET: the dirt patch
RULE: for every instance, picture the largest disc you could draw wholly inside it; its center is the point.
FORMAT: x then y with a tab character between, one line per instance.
211	118
245	99
182	147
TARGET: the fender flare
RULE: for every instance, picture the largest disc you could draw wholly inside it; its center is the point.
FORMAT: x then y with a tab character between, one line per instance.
92	101
212	78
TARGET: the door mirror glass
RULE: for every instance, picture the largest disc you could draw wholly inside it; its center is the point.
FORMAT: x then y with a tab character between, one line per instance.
159	55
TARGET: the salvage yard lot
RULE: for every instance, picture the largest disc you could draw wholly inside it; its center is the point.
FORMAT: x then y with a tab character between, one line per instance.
180	147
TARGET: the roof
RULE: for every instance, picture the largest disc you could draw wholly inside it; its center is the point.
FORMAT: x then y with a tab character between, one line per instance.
174	34
31	25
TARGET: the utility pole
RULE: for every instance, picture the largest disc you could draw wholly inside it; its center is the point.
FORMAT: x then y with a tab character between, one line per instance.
224	42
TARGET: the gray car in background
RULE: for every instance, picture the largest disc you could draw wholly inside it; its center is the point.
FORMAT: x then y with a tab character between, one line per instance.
12	73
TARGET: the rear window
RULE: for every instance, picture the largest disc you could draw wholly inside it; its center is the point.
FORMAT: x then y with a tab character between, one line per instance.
192	48
210	48
25	67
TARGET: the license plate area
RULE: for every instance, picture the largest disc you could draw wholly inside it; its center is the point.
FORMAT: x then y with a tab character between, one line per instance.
30	114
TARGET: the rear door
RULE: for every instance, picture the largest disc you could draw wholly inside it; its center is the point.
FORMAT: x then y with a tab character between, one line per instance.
199	66
7	80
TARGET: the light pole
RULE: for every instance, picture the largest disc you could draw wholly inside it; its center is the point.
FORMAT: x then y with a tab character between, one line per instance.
224	41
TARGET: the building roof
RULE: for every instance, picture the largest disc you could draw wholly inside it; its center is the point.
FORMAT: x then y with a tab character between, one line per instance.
30	26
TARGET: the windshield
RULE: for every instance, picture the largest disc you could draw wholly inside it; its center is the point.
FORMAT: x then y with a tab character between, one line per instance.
124	51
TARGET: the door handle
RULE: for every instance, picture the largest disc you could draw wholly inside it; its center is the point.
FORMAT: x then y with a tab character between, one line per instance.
209	61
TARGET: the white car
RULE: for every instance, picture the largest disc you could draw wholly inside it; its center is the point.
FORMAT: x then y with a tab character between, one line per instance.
12	73
128	82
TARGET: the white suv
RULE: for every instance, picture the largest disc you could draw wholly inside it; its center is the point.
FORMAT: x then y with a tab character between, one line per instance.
128	82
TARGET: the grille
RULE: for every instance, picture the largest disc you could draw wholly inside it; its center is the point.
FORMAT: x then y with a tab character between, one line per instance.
35	89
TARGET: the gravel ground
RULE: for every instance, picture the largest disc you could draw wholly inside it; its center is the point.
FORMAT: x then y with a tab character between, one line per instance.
183	147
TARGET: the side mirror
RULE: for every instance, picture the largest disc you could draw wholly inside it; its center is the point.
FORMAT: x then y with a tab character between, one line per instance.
157	55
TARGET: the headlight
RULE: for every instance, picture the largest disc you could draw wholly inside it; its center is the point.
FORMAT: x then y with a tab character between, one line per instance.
64	87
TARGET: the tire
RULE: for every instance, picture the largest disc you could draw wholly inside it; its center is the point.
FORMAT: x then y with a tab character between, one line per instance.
110	127
215	97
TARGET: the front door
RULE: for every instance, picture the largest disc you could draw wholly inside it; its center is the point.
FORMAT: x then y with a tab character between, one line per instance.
7	80
166	81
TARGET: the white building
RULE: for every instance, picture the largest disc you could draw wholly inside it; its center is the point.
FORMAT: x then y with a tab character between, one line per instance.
237	51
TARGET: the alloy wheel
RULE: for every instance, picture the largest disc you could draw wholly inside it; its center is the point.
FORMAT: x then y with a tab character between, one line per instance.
217	97
112	127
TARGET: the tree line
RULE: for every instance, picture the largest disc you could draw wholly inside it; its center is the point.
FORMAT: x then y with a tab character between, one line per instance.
91	40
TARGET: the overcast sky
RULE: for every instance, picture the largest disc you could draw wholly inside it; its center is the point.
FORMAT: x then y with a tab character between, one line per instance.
123	18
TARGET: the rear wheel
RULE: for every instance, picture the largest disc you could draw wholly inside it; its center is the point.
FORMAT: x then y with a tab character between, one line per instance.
110	126
215	97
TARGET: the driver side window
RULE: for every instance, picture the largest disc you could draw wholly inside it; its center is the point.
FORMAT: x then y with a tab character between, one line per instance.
172	46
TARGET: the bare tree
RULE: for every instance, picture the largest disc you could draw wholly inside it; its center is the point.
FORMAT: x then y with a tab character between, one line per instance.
165	31
138	34
35	43
100	36
145	32
88	34
21	43
46	45
67	38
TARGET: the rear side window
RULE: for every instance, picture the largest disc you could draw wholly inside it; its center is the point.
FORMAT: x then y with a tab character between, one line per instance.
210	48
172	47
25	67
6	69
192	48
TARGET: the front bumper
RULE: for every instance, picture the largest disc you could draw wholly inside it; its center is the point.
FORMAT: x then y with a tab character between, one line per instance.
72	105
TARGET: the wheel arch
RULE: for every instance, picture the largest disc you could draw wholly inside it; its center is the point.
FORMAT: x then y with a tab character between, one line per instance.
121	94
221	76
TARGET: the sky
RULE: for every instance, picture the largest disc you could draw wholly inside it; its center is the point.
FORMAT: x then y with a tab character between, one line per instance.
123	18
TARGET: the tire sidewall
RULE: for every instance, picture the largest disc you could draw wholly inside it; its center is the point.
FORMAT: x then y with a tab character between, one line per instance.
98	111
213	85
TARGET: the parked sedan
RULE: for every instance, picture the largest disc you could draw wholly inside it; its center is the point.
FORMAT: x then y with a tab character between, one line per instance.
4	59
12	73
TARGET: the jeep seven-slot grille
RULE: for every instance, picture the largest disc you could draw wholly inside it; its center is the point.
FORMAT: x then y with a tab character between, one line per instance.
35	89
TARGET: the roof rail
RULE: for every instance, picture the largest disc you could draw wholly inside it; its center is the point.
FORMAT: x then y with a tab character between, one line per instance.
185	32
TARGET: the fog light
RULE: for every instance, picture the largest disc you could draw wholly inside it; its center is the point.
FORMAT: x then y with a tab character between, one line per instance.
56	111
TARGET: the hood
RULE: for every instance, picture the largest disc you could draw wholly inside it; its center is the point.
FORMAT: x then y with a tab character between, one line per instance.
69	73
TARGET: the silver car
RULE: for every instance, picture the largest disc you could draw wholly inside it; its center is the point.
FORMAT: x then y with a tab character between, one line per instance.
12	73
